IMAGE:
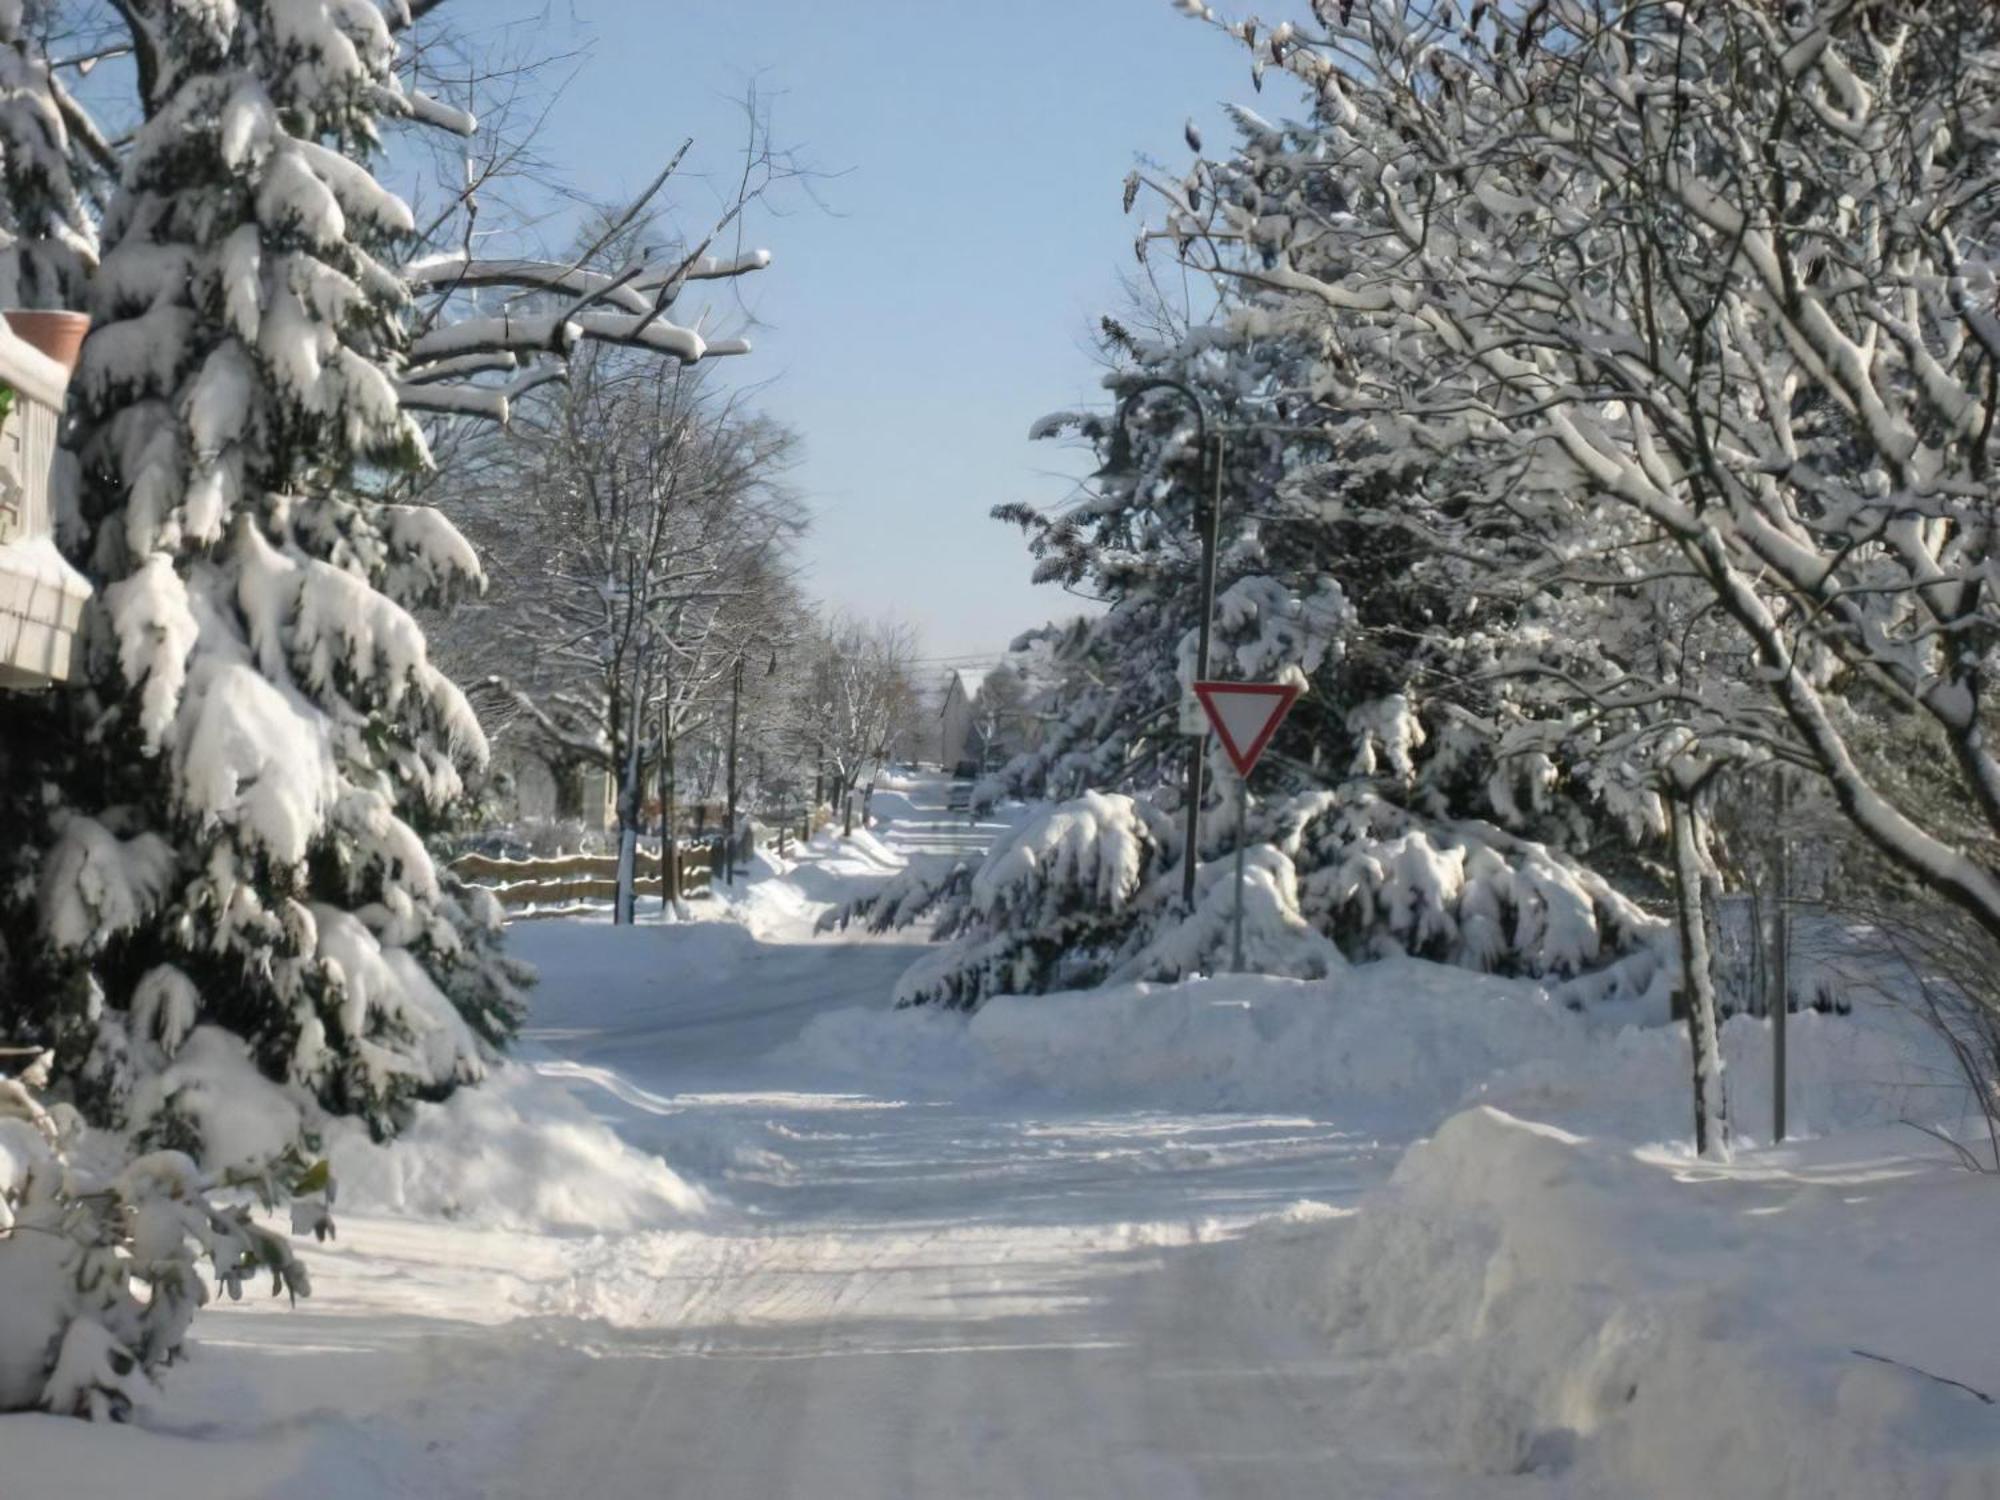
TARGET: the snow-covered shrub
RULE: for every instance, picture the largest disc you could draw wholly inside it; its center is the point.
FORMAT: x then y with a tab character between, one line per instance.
102	1252
1088	892
1051	906
1385	882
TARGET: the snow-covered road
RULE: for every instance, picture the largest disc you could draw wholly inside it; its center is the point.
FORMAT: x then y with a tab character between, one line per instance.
914	1295
903	1290
731	1229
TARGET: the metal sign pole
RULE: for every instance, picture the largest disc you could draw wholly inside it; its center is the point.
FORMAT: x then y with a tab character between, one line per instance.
1242	829
1244	716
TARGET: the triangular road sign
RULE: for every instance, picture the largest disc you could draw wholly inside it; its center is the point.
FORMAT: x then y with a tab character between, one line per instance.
1245	716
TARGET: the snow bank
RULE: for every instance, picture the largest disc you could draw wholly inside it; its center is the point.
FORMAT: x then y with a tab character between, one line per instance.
1240	1042
1541	1302
1877	1067
781	898
1401	1037
518	1152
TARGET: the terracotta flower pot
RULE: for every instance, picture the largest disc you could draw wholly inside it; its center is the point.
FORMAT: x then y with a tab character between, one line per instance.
59	335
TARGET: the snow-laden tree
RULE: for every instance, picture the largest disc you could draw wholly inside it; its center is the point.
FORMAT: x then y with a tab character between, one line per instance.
245	776
218	883
1722	272
230	807
1714	282
857	692
1392	813
645	529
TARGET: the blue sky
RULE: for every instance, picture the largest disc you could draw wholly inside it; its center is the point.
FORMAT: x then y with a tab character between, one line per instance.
942	299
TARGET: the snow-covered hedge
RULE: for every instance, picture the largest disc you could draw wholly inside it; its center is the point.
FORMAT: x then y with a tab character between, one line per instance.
101	1253
1087	892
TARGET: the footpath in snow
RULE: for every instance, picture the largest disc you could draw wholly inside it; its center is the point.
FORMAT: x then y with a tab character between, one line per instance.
732	1227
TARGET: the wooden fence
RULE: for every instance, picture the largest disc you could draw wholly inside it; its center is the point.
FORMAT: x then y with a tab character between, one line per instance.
569	882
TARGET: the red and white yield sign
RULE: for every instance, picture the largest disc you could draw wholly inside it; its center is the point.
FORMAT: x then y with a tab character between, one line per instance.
1245	716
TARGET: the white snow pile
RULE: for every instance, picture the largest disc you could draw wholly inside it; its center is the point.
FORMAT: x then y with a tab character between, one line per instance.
1806	1325
1402	1036
1240	1042
780	897
518	1152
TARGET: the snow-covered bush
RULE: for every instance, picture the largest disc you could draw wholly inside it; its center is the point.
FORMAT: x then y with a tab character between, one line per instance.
1052	905
1385	883
1087	892
102	1252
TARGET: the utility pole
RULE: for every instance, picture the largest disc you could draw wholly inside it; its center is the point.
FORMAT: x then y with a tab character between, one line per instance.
1780	1002
729	831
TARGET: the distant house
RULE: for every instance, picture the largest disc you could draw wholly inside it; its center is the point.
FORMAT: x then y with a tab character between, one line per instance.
955	719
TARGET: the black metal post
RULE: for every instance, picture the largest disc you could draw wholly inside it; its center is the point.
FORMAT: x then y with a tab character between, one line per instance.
670	847
1209	517
729	830
1781	963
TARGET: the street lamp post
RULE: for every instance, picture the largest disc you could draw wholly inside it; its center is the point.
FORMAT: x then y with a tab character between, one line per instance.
1208	521
729	826
735	709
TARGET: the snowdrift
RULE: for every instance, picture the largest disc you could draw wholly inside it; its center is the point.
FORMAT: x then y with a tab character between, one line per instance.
1406	1040
518	1152
1640	1325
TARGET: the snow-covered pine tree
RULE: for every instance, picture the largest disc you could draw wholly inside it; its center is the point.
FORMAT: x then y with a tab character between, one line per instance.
238	796
1392	813
48	243
216	895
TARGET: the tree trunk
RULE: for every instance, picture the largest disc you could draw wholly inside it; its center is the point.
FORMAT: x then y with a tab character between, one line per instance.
1779	1001
623	905
670	844
568	777
1691	889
